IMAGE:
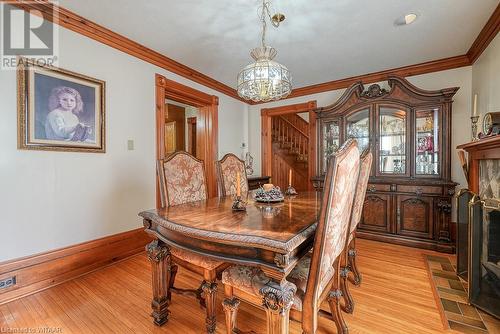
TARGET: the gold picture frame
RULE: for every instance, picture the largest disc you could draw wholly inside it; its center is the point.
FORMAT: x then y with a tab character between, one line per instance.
59	110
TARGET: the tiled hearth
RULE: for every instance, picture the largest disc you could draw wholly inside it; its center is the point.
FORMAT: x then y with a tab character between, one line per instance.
450	291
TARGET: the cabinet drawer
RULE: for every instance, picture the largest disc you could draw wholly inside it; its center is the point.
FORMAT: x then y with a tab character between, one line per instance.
378	187
420	189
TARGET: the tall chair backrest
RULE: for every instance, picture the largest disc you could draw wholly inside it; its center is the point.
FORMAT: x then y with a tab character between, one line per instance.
227	169
182	179
364	175
333	223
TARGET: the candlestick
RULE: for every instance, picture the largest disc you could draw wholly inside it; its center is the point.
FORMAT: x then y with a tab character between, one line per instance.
474	120
239	204
290	177
474	110
238	186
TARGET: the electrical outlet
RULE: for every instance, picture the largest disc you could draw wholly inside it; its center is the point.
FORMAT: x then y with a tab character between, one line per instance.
7	282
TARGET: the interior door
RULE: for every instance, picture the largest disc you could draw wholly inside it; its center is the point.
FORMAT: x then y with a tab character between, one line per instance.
170	138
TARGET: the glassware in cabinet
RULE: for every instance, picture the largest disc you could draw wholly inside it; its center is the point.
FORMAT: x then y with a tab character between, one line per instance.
392	140
427	142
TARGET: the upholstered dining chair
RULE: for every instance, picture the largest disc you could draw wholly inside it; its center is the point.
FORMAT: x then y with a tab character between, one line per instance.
182	180
317	275
350	251
227	169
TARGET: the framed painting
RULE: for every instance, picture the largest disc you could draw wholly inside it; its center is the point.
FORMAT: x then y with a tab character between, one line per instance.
59	110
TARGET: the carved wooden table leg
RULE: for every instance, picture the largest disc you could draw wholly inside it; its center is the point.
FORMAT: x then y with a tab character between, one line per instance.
277	300
210	292
159	256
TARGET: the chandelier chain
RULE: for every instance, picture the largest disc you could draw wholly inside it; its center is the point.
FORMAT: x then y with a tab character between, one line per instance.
266	12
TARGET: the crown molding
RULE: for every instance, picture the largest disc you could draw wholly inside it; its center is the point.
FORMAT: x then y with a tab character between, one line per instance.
487	34
72	21
405	71
83	26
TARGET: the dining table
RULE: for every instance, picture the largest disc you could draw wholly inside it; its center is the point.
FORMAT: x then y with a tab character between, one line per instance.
270	236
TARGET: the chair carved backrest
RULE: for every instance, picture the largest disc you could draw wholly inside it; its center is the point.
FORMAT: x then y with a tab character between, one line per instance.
182	179
227	169
334	220
359	200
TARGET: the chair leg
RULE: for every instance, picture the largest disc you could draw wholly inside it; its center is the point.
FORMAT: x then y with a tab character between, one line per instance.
334	301
231	306
346	294
199	295
173	273
356	280
210	292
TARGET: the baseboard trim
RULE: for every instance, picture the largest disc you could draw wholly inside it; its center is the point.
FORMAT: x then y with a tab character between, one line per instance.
41	271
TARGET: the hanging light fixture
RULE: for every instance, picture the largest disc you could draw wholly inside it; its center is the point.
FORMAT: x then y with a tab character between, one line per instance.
265	80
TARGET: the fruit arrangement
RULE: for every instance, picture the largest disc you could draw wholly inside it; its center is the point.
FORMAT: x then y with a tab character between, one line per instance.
272	195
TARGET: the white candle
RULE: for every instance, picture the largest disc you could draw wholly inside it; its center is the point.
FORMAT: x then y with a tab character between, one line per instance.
290	177
475	105
238	182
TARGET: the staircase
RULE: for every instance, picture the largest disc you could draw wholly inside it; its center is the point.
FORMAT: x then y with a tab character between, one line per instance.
290	142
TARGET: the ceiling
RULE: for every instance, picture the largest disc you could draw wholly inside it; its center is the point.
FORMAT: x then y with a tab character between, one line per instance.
319	41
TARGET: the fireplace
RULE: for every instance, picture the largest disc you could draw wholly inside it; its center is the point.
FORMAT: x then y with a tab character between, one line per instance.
484	252
478	225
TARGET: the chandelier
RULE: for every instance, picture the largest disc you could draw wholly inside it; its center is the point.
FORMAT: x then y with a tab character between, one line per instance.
265	80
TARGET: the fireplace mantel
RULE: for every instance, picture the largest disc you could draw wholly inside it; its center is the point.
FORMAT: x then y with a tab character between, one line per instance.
483	149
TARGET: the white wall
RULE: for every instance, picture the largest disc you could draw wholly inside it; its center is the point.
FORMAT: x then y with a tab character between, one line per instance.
486	79
460	77
50	200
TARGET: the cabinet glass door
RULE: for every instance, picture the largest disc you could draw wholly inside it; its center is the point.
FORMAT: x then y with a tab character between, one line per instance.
358	126
331	141
427	142
392	141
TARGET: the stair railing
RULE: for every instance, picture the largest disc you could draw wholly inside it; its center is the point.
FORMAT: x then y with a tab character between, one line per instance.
290	136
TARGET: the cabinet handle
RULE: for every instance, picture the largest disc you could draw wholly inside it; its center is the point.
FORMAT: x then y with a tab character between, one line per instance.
372	189
418	191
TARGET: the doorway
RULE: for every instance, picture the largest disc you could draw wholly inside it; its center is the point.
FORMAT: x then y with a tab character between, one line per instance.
289	145
175	105
180	128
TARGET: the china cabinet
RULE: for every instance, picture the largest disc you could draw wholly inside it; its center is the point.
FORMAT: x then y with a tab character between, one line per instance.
408	129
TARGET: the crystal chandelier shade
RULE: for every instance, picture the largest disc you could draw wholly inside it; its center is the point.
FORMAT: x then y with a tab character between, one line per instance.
264	80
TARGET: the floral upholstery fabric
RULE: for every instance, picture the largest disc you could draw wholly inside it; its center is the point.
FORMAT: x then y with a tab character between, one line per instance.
300	274
251	280
229	167
184	179
364	174
336	224
196	259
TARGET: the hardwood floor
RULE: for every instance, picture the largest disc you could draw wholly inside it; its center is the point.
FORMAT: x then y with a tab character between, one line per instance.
395	297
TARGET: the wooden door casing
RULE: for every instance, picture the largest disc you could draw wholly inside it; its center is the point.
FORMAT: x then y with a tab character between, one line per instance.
191	135
414	217
266	135
207	126
377	213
